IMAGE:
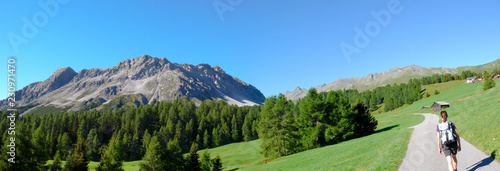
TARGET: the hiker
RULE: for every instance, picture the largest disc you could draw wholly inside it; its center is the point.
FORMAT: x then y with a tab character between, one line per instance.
448	141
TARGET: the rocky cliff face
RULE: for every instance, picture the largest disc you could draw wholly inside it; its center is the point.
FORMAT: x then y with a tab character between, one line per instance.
140	80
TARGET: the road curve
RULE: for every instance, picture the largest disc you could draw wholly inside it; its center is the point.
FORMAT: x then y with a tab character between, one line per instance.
423	154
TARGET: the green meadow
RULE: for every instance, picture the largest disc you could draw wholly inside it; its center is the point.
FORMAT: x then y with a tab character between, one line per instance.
474	111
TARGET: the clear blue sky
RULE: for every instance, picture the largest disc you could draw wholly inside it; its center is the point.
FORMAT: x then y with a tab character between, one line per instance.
274	45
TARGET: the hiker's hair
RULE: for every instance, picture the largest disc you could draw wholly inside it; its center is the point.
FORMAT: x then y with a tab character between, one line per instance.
444	112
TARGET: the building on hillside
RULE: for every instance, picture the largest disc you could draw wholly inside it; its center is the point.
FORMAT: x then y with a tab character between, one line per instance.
479	79
439	105
471	79
495	76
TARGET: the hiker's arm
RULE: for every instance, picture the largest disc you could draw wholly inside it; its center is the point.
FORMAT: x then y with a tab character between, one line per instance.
458	140
439	142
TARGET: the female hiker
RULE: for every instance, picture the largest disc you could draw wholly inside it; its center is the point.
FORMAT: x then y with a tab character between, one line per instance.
448	141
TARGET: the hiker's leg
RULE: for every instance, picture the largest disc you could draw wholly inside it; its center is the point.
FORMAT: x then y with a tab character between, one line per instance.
449	160
454	157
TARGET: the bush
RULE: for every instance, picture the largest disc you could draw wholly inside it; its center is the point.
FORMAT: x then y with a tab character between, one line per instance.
488	83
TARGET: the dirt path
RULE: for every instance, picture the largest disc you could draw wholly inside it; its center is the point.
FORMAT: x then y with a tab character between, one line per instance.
423	154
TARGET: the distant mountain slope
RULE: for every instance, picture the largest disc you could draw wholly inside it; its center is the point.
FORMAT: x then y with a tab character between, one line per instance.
395	75
136	81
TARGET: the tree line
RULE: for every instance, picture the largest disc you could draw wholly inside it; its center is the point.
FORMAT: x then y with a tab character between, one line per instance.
397	95
393	96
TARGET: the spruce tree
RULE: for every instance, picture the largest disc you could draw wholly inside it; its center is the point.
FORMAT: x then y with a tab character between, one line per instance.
78	161
56	165
153	156
276	128
93	145
246	129
217	164
64	145
206	163
112	159
206	139
235	131
40	152
192	161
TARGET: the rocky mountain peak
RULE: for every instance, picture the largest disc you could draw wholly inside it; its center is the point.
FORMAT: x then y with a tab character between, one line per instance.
218	69
59	78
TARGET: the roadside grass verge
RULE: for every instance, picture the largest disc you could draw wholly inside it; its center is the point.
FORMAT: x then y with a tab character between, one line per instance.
478	118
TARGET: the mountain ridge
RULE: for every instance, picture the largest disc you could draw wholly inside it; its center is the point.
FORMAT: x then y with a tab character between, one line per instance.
136	81
394	75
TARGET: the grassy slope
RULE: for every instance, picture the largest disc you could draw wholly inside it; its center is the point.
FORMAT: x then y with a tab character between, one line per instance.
442	87
238	155
478	118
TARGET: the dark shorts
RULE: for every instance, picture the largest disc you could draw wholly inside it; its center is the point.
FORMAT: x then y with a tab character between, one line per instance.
449	150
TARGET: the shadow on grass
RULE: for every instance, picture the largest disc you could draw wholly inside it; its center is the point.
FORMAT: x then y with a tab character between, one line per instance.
485	162
386	129
234	169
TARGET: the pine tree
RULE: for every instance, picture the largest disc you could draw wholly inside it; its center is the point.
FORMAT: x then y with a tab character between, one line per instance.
152	158
56	165
112	159
206	139
246	129
192	162
40	152
235	131
135	148
64	145
78	161
173	159
215	137
217	164
276	128
93	145
146	138
206	163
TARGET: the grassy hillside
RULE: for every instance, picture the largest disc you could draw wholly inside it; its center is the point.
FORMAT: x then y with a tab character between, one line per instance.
238	155
441	87
478	118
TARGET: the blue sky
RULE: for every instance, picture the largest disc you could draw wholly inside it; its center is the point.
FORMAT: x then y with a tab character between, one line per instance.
274	45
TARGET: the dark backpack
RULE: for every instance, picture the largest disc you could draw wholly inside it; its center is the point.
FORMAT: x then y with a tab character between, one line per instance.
448	137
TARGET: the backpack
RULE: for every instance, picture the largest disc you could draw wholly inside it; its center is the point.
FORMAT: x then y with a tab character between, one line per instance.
448	138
